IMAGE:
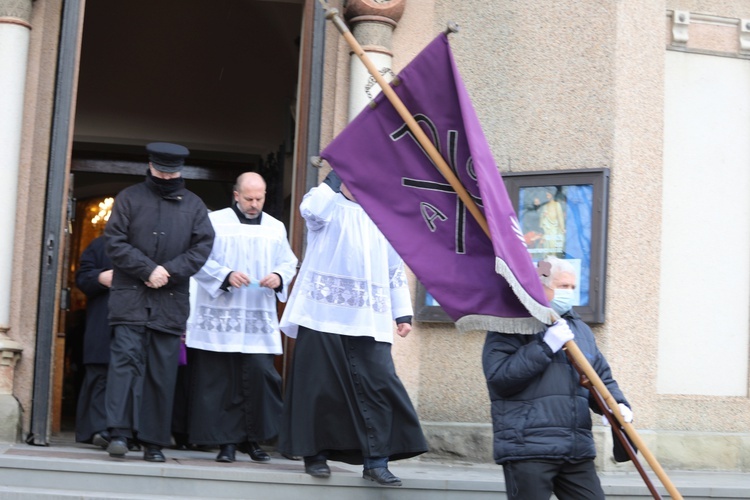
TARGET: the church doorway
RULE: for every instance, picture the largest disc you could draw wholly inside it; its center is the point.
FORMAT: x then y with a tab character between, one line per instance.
222	78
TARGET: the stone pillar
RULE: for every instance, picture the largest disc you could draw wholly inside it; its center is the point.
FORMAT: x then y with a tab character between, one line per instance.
372	23
10	410
15	31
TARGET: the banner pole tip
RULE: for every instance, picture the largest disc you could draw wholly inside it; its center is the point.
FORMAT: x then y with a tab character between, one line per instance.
316	161
452	28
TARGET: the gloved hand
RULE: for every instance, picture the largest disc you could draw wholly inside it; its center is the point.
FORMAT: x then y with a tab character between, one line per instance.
557	334
627	414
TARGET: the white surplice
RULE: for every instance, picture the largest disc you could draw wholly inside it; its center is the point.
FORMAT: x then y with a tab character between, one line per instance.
352	282
241	319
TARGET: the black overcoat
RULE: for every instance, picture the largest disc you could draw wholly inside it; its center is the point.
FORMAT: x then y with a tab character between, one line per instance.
148	229
96	337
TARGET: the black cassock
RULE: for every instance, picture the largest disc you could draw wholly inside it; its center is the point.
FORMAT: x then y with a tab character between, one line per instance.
234	397
345	398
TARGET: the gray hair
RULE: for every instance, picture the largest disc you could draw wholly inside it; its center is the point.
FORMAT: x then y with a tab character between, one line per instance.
557	266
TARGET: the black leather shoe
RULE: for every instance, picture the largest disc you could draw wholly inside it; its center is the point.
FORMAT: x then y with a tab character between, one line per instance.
318	469
255	452
381	475
153	454
100	439
226	453
117	447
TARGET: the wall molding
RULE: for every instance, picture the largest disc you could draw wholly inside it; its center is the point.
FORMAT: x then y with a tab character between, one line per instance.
708	34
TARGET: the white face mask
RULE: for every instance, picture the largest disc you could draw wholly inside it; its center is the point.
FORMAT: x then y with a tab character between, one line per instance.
563	300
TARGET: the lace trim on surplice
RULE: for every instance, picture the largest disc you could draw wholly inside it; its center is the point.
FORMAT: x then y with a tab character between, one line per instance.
347	292
234	320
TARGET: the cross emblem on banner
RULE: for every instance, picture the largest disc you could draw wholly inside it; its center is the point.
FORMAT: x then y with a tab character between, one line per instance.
431	214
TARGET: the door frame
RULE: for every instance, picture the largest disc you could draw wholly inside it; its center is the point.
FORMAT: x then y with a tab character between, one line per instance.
55	211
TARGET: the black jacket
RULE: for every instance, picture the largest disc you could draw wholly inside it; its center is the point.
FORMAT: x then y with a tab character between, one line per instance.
96	337
147	229
539	408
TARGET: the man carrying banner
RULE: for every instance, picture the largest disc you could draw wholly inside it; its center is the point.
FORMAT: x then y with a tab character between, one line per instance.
344	400
540	411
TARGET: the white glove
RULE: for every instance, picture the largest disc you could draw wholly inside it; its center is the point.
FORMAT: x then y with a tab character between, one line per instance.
627	414
557	334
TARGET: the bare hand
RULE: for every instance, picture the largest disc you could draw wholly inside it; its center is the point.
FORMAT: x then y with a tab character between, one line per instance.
271	281
159	277
403	329
238	279
105	278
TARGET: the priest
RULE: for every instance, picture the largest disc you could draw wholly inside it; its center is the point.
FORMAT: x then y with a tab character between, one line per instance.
233	331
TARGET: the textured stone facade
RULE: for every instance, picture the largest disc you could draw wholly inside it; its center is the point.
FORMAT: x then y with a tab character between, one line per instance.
572	86
557	86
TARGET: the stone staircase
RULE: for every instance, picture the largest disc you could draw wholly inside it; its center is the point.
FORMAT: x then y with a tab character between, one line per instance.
70	471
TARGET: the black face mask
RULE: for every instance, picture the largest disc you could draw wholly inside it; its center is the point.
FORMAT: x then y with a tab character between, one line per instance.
166	187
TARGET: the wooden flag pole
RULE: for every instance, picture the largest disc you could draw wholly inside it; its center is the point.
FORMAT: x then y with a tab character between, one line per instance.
442	166
616	429
593	377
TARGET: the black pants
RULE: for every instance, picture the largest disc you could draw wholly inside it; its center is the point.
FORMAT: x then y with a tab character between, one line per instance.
140	383
538	479
90	415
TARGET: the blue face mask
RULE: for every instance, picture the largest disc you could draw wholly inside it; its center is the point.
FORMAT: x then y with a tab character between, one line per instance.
563	300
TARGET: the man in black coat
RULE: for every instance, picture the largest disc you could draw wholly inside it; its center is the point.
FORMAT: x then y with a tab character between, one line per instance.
157	237
94	278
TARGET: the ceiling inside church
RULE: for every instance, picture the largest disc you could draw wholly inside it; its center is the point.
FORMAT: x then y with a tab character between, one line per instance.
219	76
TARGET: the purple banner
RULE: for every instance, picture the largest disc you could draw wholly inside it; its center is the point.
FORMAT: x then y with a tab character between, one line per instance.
480	283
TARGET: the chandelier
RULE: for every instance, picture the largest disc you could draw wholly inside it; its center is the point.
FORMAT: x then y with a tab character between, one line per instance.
103	211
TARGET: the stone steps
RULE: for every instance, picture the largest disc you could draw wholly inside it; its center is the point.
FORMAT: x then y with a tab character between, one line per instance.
85	472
